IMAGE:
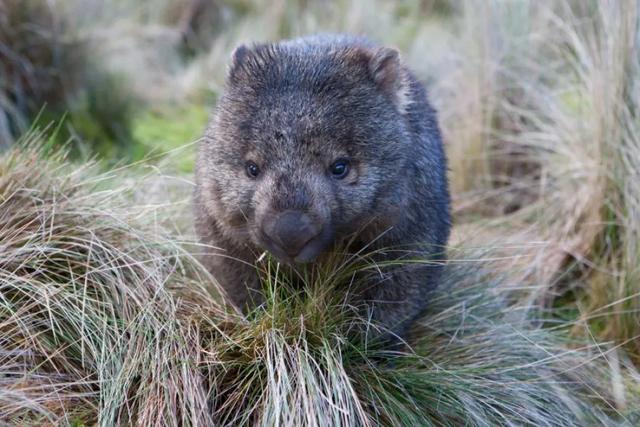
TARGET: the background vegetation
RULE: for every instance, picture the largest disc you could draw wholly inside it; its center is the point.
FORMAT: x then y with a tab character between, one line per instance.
104	316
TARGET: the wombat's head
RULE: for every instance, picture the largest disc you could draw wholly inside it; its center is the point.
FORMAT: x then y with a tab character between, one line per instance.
308	145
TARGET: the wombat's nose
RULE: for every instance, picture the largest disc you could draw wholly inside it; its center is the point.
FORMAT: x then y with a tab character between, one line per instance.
291	231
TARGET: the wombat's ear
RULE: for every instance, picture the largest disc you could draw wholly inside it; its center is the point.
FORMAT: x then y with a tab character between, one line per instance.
386	69
239	55
239	59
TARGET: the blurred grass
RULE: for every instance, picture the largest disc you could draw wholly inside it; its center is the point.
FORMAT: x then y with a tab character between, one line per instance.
170	129
48	68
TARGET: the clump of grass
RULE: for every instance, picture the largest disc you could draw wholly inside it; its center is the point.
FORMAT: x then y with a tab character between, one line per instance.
89	328
580	126
540	114
606	66
475	361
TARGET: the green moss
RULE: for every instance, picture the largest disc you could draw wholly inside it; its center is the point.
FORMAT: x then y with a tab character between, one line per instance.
169	129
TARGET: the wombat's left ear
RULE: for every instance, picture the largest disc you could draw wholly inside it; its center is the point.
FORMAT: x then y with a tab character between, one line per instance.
386	69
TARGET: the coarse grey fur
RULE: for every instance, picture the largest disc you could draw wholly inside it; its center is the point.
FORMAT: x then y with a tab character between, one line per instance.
293	108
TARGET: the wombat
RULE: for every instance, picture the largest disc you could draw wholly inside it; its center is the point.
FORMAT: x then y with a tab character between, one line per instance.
316	141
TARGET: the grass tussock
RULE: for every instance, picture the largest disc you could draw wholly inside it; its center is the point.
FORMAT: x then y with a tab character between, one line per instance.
553	139
89	329
104	322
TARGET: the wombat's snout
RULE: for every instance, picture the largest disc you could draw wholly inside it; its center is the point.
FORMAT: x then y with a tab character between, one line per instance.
290	231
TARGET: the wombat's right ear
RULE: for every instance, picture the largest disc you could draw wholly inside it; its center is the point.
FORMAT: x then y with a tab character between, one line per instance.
239	55
239	59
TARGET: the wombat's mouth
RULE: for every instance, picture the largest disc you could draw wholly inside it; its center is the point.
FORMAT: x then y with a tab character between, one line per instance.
308	253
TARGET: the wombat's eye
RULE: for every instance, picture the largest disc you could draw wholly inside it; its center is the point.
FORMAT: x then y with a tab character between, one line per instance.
252	169
339	169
